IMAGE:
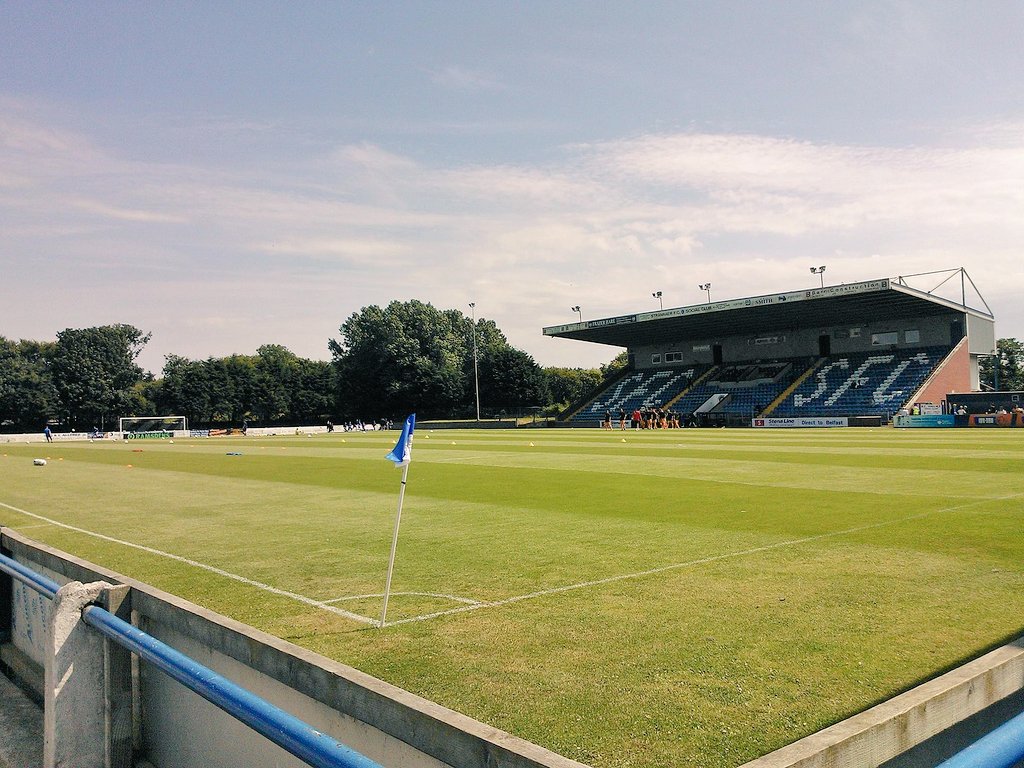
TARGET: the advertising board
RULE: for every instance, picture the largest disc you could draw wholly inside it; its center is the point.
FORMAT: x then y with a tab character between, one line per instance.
801	421
925	420
997	420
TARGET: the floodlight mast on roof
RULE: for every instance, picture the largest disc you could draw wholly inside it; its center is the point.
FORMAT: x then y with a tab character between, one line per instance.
476	375
706	287
657	295
820	272
577	310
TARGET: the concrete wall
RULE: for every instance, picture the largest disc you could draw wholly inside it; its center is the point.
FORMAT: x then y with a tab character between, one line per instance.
883	733
954	375
803	342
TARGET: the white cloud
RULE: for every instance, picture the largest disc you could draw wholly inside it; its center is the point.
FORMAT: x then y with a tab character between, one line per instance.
292	248
125	214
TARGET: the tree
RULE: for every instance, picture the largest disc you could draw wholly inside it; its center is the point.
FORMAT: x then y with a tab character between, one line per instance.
184	390
276	369
615	365
94	371
510	379
567	385
1010	354
407	356
143	398
312	398
27	395
410	356
272	386
240	370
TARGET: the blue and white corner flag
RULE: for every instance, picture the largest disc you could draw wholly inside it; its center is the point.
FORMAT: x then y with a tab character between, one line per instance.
401	454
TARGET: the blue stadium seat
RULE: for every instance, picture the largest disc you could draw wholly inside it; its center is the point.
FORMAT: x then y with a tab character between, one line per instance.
863	384
640	389
743	400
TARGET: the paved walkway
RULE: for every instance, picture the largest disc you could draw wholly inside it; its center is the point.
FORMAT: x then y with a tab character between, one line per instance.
21	728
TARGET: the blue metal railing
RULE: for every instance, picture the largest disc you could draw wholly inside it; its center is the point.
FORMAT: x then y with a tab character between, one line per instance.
288	732
28	577
1000	748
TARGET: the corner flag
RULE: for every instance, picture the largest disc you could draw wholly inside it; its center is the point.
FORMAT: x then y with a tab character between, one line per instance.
401	454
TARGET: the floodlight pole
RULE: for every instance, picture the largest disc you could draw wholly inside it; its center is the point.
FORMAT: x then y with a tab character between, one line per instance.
657	295
476	375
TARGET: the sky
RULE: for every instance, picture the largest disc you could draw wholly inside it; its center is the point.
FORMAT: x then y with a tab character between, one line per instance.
227	175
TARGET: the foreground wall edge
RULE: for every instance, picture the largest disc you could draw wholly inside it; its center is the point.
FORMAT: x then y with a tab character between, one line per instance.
885	731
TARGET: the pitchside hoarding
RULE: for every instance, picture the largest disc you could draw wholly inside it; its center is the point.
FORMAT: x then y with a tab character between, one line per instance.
802	421
925	420
997	420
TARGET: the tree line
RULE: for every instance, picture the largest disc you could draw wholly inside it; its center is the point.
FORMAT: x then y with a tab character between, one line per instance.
386	362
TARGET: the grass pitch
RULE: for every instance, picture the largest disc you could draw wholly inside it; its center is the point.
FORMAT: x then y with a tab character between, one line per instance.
688	597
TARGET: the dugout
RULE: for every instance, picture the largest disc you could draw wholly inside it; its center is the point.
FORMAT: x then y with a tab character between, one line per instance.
888	314
986	402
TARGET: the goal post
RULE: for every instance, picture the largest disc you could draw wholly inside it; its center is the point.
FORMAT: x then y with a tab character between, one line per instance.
152	424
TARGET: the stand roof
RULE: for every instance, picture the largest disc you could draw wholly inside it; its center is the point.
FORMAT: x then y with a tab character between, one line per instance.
846	304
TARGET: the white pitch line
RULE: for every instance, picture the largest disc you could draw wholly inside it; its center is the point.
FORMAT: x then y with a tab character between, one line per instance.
690	563
30	527
453	598
204	566
455	459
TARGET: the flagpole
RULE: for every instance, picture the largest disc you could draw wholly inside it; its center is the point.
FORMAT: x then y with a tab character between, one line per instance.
394	545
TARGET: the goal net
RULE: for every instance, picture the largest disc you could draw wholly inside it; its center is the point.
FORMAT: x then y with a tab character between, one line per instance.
152	424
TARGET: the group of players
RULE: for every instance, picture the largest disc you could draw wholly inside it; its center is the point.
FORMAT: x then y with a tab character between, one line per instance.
650	418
